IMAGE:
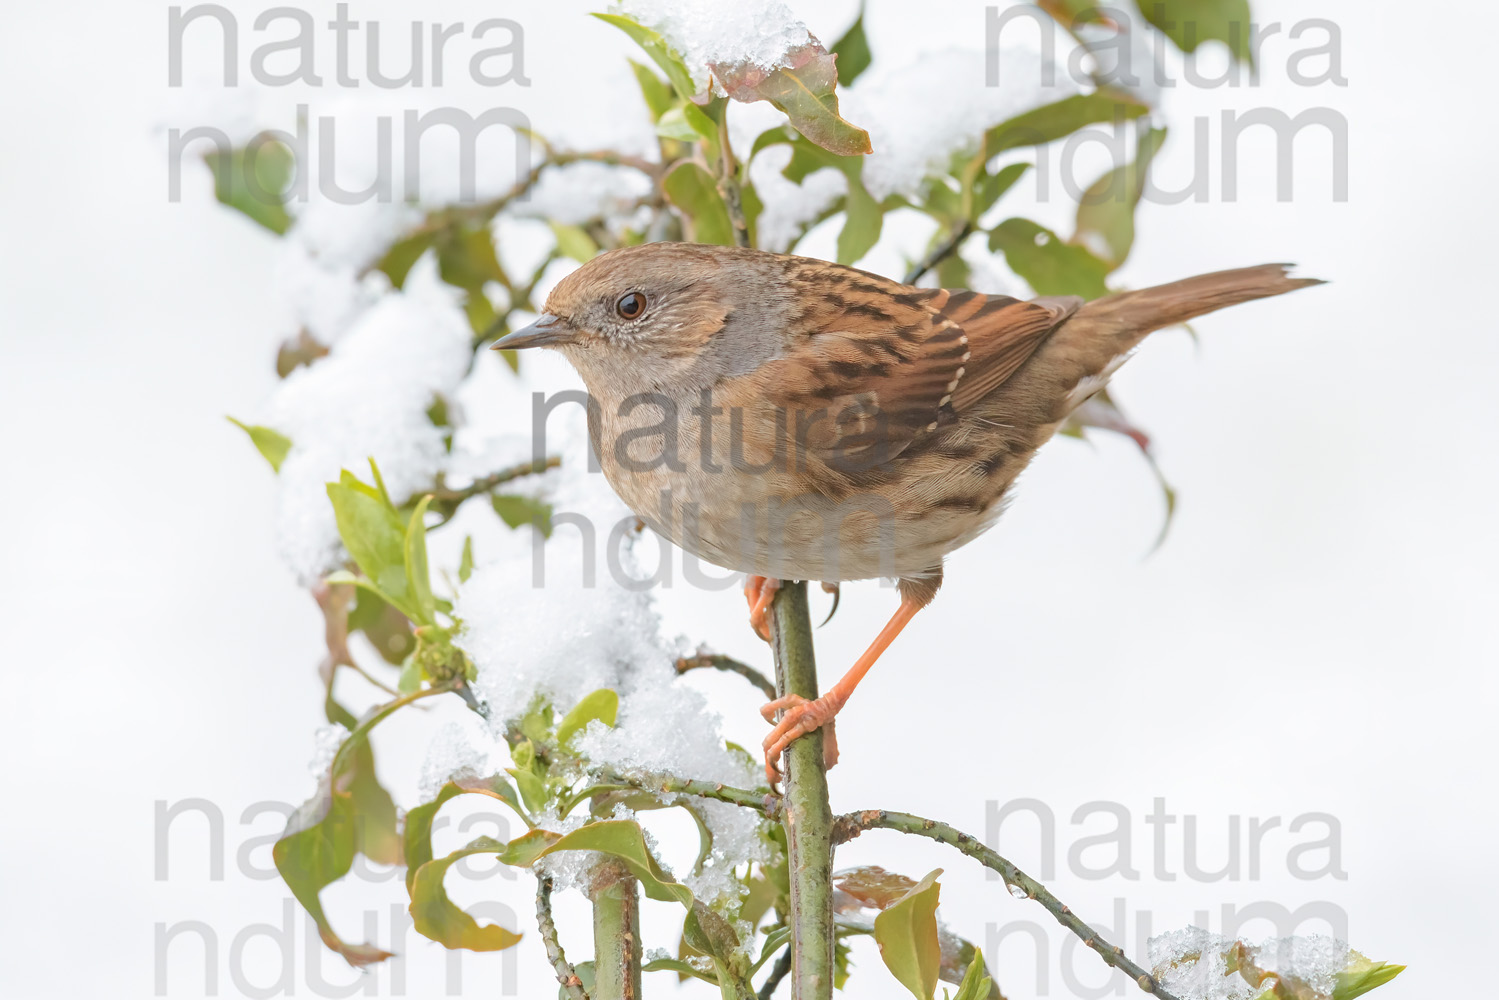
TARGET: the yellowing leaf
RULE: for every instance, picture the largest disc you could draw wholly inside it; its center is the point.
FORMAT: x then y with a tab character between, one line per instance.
907	935
272	444
436	916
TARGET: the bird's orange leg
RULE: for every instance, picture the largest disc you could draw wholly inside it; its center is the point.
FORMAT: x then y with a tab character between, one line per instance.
802	716
759	591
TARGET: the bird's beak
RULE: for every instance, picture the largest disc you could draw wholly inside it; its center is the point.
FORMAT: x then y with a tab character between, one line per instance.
547	331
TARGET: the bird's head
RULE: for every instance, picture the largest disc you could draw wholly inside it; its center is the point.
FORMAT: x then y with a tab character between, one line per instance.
672	317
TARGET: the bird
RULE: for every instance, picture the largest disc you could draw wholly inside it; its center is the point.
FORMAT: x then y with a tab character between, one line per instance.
795	419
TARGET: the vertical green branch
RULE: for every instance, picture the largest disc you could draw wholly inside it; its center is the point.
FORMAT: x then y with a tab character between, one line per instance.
616	934
807	815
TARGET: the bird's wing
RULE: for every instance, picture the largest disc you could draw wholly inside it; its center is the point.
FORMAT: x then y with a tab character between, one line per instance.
892	369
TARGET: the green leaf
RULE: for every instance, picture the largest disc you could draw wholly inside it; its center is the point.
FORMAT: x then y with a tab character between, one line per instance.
1050	265
1060	118
516	510
403	255
862	223
656	91
692	190
989	188
272	445
375	536
655	46
602	704
349	814
806	90
1106	213
418	576
1189	23
852	51
976	983
435	916
252	179
863	216
907	935
674	125
417	835
1362	975
573	242
624	840
466	259
410	678
466	561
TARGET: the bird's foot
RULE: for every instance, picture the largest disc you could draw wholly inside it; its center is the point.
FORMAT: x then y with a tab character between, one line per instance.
759	591
801	717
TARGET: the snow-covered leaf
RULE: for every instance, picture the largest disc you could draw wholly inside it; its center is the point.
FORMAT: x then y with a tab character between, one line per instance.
805	90
601	705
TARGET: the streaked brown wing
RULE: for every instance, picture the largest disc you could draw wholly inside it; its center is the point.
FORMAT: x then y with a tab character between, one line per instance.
890	373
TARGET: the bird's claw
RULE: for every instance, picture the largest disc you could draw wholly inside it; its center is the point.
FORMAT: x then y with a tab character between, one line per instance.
759	591
800	718
837	592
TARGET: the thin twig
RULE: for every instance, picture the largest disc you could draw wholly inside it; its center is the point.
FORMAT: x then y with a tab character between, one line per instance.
939	252
566	974
777	973
441	493
850	825
727	663
670	784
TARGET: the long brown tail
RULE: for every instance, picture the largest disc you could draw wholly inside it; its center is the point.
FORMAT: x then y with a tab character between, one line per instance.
1084	349
1128	316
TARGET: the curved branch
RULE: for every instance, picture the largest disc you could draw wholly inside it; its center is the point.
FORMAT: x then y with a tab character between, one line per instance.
567	976
850	825
727	663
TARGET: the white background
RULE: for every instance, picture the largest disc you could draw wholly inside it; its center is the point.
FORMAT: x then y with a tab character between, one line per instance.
1316	636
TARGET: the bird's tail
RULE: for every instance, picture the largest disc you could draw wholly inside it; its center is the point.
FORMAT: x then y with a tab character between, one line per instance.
1127	317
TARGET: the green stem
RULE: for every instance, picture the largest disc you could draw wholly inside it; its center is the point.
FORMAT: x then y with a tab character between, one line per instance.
807	815
850	825
616	934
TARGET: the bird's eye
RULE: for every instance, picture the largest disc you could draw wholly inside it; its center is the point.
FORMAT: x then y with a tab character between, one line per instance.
630	305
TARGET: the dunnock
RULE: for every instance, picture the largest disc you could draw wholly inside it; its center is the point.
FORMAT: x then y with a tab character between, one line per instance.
795	419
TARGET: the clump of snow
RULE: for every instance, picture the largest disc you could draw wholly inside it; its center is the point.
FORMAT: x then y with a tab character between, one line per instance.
756	33
367	398
452	754
1193	963
920	115
566	617
789	206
